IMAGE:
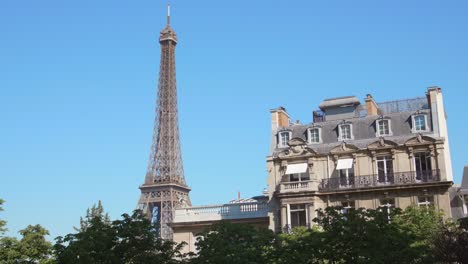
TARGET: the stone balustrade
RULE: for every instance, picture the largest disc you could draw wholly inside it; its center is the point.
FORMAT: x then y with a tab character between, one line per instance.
221	212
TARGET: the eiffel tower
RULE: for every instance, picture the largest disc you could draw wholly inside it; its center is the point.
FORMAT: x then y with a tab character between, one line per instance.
165	188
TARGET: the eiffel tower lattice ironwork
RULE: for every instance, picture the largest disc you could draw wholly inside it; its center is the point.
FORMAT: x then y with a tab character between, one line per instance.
165	188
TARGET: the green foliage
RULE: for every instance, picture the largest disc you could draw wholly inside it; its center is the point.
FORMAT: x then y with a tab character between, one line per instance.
302	245
450	244
95	212
138	242
32	248
93	244
2	222
419	225
234	243
130	240
361	236
414	235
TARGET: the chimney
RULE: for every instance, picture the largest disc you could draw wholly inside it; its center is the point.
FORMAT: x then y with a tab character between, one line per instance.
279	118
439	127
371	106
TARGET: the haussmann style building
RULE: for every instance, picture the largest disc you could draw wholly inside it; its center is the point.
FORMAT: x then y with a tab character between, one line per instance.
370	155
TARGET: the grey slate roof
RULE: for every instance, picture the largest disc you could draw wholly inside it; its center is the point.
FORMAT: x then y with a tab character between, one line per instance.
363	130
465	178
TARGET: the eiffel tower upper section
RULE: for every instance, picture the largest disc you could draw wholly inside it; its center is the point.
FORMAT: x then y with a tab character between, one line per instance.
165	188
165	163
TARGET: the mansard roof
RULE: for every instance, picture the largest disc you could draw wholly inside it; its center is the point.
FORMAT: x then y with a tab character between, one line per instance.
363	130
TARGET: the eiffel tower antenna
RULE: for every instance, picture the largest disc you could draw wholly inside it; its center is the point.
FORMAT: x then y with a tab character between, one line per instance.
165	188
168	12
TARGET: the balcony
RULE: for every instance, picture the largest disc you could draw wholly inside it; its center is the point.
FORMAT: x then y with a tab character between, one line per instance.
373	181
296	186
221	212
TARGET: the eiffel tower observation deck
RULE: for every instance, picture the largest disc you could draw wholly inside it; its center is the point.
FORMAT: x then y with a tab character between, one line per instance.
165	188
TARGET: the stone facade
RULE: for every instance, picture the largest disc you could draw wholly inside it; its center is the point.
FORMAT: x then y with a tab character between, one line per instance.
392	154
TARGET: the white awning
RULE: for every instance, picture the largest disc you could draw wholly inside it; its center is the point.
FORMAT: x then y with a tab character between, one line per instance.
344	164
296	168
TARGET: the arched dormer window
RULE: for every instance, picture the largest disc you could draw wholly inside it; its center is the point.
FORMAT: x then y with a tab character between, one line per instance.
283	138
314	135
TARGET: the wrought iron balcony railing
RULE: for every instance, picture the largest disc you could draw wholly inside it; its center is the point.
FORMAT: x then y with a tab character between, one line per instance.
369	181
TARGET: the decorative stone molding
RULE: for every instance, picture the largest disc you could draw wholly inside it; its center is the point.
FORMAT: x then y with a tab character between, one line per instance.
297	147
420	140
344	148
410	152
382	143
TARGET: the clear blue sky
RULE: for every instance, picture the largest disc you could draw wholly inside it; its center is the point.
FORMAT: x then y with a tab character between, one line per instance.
78	87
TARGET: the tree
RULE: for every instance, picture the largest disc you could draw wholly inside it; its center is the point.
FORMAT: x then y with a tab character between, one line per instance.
133	239
361	236
230	243
302	245
358	236
450	244
138	242
419	225
96	211
93	242
32	248
2	222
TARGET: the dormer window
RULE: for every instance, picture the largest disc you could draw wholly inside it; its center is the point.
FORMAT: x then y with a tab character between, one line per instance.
383	127
314	135
283	138
345	131
419	123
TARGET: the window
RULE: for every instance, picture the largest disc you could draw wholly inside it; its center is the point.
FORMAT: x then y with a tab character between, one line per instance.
346	206
387	204
385	169
346	177
283	138
314	135
298	215
345	132
423	166
419	123
425	201
299	177
383	127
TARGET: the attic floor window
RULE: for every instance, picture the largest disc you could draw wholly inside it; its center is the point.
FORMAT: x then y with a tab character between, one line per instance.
314	135
284	138
420	123
383	127
345	132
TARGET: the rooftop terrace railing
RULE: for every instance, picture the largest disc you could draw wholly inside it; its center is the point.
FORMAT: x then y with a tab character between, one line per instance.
406	105
221	212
